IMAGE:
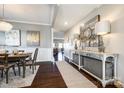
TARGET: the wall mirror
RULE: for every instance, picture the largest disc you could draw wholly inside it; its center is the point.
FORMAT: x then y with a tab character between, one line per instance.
88	38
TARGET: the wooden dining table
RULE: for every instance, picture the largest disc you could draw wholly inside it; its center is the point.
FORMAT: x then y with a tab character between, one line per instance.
19	58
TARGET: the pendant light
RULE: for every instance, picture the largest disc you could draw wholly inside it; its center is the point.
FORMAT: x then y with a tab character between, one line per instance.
5	26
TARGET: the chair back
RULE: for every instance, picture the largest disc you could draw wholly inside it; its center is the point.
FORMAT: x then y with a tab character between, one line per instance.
4	59
35	55
21	51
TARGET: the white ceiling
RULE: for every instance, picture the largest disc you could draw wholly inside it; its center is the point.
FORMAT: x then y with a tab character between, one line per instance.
44	14
72	14
39	14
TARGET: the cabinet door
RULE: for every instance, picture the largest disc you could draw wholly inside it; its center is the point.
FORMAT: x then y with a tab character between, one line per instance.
95	66
76	58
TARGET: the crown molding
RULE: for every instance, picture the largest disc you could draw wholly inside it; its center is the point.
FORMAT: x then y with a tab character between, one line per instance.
54	12
28	22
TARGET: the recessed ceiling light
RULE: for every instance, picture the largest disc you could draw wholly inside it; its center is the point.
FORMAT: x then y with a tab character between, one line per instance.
66	23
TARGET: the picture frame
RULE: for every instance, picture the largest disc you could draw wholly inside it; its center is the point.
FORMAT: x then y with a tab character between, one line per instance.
13	38
33	38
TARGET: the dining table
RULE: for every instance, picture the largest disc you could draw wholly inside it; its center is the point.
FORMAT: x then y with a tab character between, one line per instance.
19	58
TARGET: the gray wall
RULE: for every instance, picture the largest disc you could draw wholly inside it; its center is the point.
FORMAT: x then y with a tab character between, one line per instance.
2	38
45	34
58	40
58	34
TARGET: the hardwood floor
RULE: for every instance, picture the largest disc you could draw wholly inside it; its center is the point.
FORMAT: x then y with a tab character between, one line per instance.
48	76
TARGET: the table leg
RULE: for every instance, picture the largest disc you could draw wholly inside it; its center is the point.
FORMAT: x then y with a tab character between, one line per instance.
2	73
33	69
79	62
6	72
103	84
24	69
115	68
19	69
103	71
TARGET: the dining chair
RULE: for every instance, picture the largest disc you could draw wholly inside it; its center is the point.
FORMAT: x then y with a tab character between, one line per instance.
32	62
5	66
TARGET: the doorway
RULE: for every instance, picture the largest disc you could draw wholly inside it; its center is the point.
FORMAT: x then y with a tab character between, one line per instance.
58	50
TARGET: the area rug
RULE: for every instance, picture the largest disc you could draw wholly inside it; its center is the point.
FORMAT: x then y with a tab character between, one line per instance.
17	81
72	77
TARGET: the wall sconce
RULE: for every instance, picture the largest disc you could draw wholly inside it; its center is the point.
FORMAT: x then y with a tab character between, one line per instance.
102	28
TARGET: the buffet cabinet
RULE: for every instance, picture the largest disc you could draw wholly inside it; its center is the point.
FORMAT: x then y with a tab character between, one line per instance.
102	66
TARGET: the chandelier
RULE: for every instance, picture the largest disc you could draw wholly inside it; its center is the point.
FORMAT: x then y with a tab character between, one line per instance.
5	26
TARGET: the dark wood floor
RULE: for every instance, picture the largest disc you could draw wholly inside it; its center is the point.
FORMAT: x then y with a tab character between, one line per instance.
48	76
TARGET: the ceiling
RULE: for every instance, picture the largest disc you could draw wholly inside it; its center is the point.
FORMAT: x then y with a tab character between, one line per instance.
27	13
72	14
45	14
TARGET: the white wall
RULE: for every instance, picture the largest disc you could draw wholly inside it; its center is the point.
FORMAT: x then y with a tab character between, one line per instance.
45	48
114	41
58	34
45	33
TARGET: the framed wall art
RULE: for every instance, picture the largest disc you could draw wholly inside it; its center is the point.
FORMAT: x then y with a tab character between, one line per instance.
33	38
13	38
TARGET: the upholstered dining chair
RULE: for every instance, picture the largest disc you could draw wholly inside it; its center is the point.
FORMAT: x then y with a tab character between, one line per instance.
32	62
5	66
